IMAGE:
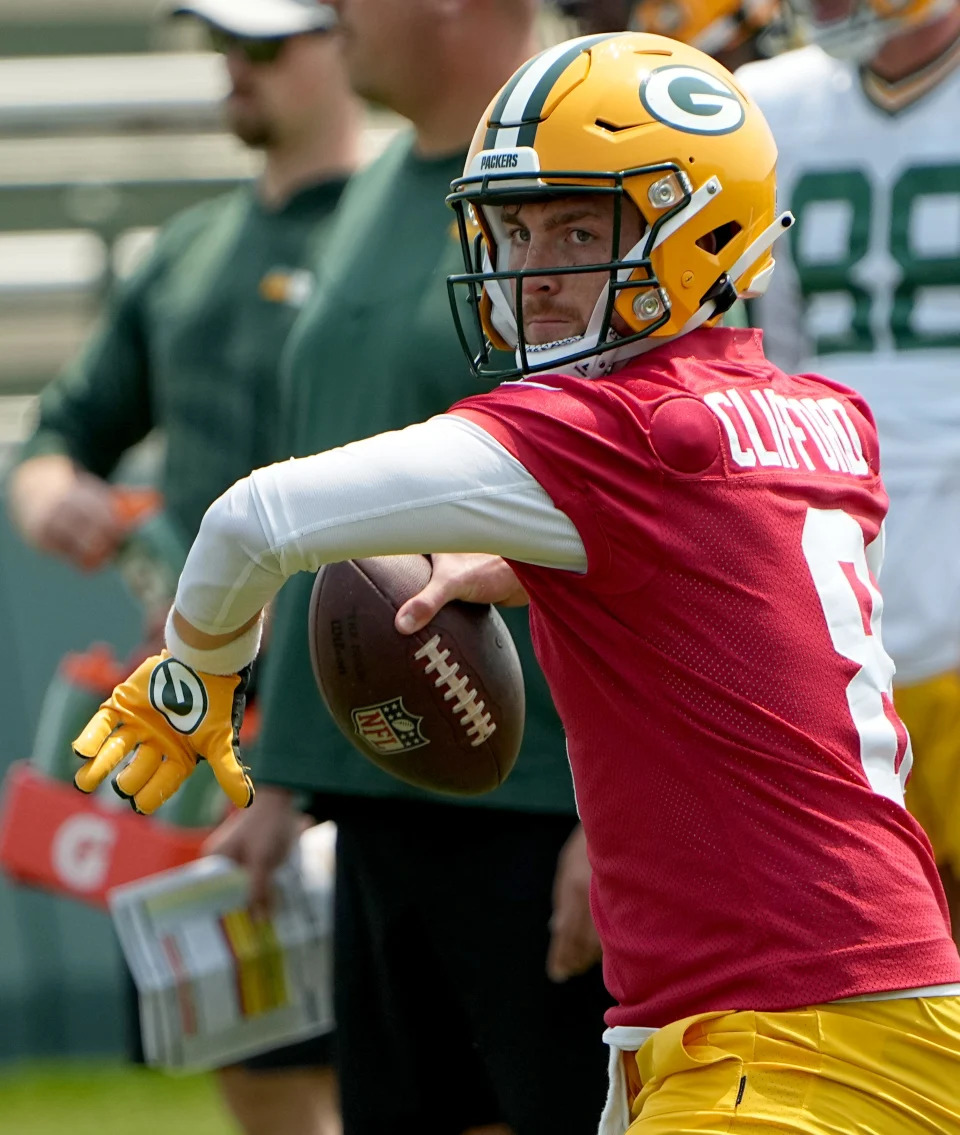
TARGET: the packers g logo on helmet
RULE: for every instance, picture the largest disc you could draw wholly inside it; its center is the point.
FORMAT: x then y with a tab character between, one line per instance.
691	100
655	125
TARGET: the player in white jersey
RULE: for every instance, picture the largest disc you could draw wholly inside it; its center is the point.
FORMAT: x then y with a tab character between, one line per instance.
868	293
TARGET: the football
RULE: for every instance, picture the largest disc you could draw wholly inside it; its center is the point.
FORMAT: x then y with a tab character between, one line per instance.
441	709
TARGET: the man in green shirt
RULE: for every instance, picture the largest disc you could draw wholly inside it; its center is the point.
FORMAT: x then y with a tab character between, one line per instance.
449	913
190	342
190	345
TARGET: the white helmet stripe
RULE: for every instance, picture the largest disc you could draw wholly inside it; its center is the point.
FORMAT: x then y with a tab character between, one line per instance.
516	112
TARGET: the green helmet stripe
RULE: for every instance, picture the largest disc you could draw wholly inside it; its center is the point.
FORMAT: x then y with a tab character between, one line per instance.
535	103
542	71
490	138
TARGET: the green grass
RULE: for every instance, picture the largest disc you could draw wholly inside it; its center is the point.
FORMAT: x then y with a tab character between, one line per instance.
106	1099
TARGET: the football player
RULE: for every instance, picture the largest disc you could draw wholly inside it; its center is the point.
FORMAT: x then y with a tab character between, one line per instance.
868	292
699	537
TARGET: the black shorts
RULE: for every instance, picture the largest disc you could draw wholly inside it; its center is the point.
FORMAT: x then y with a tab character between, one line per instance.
446	1018
315	1052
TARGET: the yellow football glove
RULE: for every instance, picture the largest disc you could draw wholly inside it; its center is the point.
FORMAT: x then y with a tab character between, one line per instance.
166	716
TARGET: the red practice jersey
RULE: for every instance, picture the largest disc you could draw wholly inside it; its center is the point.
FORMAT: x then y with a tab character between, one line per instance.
719	671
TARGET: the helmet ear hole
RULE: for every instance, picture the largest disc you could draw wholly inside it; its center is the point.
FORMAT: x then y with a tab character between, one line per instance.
717	239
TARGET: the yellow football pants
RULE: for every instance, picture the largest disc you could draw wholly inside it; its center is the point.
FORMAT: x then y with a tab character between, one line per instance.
859	1068
931	713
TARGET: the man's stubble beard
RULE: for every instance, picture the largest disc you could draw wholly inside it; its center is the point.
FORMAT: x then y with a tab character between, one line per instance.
535	307
254	135
254	130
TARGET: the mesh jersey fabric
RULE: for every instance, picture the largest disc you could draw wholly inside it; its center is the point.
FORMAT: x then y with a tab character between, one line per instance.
740	788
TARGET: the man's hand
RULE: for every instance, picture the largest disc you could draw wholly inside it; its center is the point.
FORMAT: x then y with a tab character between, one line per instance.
574	943
61	509
259	839
473	577
166	716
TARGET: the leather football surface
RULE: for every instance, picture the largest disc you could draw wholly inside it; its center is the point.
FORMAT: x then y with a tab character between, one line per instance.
442	709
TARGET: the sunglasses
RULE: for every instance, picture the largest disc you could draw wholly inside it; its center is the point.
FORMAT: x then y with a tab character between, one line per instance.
253	50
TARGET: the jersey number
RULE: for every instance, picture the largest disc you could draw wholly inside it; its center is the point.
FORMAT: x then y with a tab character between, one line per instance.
915	189
834	549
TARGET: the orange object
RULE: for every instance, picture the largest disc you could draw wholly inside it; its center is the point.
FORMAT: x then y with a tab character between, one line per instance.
95	669
55	838
134	505
251	725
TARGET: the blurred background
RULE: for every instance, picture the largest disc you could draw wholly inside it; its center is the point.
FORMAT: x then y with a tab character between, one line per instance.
109	123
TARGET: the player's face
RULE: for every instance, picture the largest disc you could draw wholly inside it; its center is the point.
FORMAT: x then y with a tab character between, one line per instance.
562	233
273	101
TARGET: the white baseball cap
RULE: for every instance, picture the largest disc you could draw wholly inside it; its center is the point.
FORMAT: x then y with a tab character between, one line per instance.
262	19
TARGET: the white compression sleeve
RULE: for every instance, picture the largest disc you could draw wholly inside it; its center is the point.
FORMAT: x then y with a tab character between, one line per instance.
444	485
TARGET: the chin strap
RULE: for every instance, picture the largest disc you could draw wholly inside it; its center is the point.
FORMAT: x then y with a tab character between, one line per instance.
723	295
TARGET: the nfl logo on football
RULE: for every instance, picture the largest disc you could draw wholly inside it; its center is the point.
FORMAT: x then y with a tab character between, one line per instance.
389	727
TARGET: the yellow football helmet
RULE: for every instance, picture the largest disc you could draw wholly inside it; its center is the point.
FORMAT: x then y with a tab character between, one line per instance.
715	26
858	29
641	118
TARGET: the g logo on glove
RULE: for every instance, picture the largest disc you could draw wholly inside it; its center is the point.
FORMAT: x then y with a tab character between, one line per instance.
177	692
155	727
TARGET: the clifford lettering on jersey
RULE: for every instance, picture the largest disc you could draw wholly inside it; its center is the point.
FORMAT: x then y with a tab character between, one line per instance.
764	428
